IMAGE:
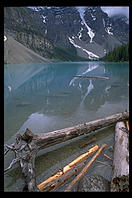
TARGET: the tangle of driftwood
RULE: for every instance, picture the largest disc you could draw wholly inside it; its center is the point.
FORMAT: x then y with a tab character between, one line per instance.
26	146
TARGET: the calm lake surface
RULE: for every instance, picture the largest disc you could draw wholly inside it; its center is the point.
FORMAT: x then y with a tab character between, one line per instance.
46	97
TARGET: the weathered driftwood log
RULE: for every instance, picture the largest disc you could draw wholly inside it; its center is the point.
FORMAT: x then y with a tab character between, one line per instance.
25	155
120	173
44	140
96	77
84	170
68	167
27	145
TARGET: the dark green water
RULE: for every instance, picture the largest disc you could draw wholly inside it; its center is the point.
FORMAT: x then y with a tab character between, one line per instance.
46	97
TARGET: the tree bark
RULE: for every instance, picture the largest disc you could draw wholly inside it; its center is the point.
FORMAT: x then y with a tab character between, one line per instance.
120	173
27	145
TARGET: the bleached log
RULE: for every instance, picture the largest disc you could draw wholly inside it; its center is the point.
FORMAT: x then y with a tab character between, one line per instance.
120	173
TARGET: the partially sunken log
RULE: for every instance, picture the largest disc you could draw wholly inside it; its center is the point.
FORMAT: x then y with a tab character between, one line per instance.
89	142
120	173
27	145
54	185
96	77
84	170
44	140
67	168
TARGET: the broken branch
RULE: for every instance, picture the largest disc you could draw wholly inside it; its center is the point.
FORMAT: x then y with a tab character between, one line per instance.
107	156
103	163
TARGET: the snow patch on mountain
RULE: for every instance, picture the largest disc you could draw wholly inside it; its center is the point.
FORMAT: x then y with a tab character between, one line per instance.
90	32
46	31
5	38
80	33
44	17
93	17
108	30
37	9
105	51
91	55
103	22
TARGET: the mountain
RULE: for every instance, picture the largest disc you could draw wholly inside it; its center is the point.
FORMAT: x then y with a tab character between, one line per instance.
24	29
66	33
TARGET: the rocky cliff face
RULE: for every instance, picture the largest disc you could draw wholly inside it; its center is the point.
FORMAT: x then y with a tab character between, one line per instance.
16	53
87	33
37	43
23	28
89	30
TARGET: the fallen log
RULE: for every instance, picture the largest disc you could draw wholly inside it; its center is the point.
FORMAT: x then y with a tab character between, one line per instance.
87	143
29	144
68	167
44	140
84	170
96	77
120	173
54	185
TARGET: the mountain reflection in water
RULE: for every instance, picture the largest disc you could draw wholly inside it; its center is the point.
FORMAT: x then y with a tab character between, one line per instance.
46	97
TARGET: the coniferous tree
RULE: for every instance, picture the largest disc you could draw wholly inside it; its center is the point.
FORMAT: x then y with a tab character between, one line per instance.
120	53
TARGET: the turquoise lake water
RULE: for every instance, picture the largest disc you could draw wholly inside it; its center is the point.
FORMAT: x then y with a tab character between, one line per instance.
46	97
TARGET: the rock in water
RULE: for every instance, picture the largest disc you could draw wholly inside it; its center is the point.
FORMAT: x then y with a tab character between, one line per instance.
93	183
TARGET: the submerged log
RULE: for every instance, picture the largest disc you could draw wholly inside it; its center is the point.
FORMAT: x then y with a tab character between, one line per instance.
68	167
96	77
87	143
120	173
84	170
28	145
54	185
